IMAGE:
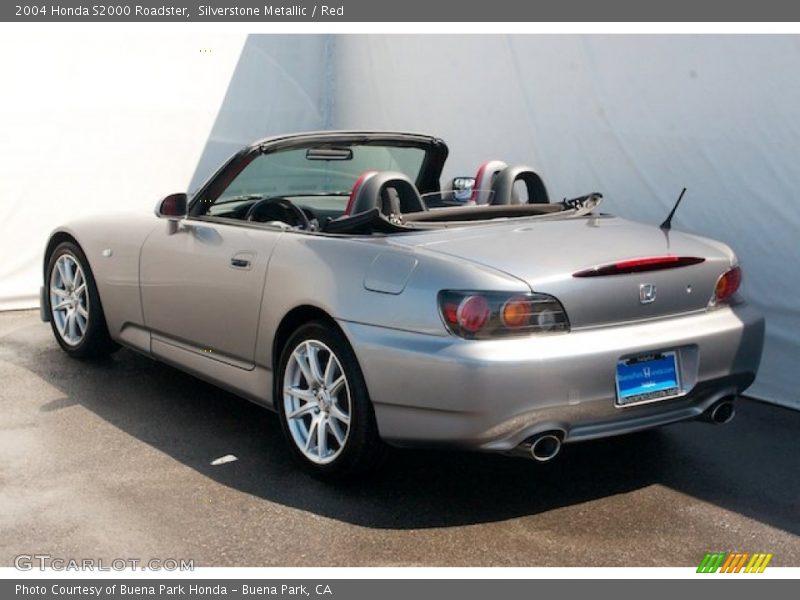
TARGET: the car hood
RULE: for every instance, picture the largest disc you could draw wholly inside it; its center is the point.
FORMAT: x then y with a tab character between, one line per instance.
545	253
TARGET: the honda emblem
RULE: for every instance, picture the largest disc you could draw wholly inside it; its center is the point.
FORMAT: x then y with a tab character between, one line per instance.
647	293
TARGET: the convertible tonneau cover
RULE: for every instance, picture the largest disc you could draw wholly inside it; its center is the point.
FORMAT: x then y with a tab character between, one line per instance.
374	221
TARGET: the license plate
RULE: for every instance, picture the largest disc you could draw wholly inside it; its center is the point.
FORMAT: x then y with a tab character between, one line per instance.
648	378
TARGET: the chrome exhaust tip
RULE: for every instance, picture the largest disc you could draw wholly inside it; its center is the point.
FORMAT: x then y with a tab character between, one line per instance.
545	447
722	412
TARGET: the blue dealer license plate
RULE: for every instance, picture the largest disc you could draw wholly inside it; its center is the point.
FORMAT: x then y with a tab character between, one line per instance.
647	378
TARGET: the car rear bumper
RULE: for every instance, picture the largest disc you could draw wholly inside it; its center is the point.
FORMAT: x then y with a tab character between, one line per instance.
494	395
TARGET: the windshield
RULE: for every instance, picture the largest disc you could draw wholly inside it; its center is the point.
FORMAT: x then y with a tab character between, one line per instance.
321	175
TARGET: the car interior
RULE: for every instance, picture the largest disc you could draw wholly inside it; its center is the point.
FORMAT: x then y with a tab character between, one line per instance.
372	188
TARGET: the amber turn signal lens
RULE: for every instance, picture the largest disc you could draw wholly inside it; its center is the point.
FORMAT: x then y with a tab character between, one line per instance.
516	312
727	285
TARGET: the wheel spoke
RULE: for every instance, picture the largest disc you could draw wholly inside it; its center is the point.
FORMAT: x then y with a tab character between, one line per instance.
307	409
312	352
82	311
80	289
302	363
59	292
77	280
338	414
61	324
337	432
330	368
81	323
69	269
61	273
300	394
310	436
334	388
322	439
71	326
61	305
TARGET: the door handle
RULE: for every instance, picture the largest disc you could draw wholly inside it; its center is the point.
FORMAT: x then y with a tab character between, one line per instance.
242	260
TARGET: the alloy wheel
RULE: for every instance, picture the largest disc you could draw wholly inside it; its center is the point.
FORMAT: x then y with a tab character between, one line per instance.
69	299
316	402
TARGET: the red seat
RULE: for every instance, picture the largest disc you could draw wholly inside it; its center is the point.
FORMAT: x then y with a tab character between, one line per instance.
351	202
484	178
392	192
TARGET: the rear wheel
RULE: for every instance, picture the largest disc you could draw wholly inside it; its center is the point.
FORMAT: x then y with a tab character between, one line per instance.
324	406
76	314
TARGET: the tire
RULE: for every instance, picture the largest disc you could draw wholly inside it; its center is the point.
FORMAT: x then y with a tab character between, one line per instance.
346	448
76	314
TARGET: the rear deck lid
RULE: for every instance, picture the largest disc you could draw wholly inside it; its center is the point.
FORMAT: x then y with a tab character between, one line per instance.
604	270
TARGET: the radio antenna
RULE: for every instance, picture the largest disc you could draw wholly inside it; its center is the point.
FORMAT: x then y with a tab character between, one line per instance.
667	224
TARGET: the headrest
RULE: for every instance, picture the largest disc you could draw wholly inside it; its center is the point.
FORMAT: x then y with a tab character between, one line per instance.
504	186
484	178
391	192
355	190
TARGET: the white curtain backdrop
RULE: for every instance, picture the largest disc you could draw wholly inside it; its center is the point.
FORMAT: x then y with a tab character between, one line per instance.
119	121
96	122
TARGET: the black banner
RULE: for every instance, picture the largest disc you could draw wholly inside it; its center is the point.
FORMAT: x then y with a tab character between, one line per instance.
397	589
407	11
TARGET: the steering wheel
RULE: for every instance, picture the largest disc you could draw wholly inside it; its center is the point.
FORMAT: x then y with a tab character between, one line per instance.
288	207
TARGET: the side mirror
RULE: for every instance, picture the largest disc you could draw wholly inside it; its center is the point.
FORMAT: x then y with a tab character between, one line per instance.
173	207
462	188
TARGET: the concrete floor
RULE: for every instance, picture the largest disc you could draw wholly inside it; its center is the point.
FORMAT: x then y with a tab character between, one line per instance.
113	459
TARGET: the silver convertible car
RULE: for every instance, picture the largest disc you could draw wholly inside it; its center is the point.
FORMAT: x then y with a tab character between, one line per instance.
333	278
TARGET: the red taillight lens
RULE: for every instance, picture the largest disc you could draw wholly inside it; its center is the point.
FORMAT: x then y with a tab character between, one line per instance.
727	285
473	312
450	313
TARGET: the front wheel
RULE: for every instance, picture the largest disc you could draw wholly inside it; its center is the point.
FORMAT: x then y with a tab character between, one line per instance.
324	406
76	314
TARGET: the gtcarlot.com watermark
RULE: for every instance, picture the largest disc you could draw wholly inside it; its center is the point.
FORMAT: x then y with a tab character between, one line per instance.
42	562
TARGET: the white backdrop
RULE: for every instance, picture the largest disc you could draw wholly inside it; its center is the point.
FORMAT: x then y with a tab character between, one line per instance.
96	122
100	122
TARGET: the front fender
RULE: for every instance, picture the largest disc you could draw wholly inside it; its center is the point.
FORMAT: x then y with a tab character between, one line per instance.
112	245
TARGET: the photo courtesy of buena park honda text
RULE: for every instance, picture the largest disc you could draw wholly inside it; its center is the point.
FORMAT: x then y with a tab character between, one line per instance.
386	300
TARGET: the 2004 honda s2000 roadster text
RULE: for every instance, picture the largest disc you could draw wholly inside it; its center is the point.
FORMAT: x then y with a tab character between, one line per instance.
329	277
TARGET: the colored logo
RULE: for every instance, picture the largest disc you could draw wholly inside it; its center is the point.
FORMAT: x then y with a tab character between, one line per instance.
734	562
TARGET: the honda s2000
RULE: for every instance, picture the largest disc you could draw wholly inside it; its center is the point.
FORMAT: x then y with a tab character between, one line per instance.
332	278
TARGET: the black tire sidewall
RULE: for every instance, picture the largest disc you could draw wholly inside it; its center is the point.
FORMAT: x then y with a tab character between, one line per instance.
363	444
96	340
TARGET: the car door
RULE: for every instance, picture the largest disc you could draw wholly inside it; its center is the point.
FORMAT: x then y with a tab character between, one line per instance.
202	284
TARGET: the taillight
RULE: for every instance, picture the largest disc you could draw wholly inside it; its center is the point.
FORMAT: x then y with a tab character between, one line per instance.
726	287
483	315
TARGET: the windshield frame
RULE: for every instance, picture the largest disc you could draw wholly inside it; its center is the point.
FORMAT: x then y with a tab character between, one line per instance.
427	179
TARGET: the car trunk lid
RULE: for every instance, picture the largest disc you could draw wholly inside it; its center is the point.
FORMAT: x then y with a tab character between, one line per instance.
625	271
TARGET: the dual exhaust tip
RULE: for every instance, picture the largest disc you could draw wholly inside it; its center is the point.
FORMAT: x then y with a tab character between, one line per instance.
547	445
721	412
